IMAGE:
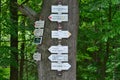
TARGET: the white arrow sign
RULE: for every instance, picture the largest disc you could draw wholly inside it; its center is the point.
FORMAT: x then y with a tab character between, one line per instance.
39	24
60	34
58	17
58	49
37	56
59	9
58	57
38	32
60	66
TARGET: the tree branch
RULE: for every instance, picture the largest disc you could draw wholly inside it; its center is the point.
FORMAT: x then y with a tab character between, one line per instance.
28	12
24	2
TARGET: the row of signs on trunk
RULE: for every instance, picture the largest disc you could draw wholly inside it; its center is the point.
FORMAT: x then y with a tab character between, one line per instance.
60	10
59	56
38	32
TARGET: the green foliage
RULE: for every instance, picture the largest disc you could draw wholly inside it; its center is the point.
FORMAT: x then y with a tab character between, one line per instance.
4	73
93	49
99	35
25	35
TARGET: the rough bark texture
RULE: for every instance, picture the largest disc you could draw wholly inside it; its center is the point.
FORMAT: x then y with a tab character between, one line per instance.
14	41
22	61
44	66
22	55
0	26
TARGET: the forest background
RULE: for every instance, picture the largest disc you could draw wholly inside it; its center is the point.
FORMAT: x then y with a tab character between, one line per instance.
98	43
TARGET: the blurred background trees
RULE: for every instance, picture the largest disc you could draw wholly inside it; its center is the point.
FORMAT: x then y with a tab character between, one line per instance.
99	40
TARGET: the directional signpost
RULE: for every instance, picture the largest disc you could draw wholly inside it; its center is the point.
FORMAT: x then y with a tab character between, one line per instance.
60	34
59	60
58	17
58	49
58	57
38	32
60	66
59	40
59	9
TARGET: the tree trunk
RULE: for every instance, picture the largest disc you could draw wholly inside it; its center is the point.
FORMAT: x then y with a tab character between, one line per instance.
22	55
44	66
22	61
107	52
14	41
0	34
0	26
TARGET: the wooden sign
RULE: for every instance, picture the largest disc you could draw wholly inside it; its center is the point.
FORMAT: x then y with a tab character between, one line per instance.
38	32
58	17
58	49
58	57
37	56
59	9
71	24
60	66
60	34
39	24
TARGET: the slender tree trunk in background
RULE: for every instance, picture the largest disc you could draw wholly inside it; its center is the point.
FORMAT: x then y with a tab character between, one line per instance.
44	66
98	61
22	55
0	26
104	63
0	34
106	56
14	41
26	67
22	60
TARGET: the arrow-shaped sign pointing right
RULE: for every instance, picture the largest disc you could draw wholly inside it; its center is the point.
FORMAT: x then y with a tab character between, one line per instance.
58	17
60	34
60	66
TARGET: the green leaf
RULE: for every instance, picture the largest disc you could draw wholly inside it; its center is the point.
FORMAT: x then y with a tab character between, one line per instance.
92	49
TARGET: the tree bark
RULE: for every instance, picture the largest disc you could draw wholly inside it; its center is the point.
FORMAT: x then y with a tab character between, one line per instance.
1	25
22	60
107	51
14	41
22	55
0	34
44	69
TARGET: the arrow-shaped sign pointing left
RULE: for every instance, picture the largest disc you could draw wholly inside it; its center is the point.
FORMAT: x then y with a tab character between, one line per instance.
58	57
58	49
58	17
